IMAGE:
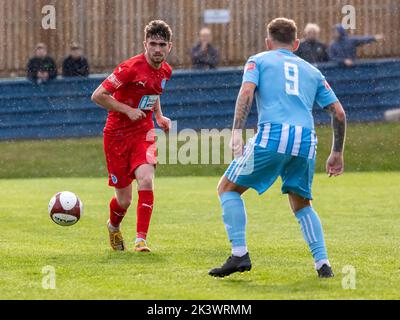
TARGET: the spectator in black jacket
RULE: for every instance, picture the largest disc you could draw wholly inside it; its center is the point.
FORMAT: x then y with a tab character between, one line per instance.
41	67
75	65
310	49
204	55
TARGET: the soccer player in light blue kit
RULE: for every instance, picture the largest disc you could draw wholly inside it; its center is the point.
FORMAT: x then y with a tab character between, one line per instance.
286	88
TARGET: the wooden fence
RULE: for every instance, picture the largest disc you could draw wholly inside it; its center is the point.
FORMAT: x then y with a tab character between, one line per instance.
112	30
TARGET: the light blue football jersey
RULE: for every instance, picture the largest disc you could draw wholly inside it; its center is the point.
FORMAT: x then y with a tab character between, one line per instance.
287	88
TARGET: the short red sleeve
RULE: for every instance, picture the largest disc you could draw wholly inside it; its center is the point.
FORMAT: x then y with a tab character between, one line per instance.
169	71
122	75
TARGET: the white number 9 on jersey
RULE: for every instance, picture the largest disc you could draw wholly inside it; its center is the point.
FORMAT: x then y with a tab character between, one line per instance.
292	78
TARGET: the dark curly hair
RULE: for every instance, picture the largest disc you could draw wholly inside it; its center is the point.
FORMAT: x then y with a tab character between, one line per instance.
158	28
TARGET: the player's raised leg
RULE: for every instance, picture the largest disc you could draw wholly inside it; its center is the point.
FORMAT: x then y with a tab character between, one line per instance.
144	177
234	216
118	207
313	233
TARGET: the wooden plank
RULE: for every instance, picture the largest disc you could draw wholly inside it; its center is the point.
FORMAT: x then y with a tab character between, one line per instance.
15	44
2	36
24	16
393	38
112	31
391	23
8	33
102	41
386	15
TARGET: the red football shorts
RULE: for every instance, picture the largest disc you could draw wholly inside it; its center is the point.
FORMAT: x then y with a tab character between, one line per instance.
125	154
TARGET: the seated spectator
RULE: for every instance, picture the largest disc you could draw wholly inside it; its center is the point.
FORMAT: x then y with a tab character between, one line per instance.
75	65
204	55
41	67
310	49
343	48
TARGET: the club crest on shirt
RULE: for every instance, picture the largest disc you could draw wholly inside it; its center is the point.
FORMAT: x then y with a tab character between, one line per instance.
114	179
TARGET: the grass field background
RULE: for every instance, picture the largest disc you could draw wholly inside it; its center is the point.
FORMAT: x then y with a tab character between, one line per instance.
359	212
369	147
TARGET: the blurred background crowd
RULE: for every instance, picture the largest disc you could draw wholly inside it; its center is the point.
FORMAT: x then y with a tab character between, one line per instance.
205	54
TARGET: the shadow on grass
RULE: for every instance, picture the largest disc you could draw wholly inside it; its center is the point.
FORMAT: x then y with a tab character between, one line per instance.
309	286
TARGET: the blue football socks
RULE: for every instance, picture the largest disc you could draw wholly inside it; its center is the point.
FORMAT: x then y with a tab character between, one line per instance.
234	216
313	234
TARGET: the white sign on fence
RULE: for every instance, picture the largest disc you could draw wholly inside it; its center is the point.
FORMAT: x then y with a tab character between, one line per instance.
216	16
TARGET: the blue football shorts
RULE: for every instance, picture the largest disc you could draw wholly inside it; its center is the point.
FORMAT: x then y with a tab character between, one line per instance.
258	168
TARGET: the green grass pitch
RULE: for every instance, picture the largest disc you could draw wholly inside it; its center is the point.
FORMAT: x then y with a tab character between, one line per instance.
369	147
359	211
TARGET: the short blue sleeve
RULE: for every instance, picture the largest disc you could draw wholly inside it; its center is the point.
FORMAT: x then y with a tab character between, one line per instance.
325	95
251	71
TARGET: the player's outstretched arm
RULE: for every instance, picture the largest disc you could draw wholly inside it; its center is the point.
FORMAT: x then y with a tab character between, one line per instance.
104	99
335	162
244	102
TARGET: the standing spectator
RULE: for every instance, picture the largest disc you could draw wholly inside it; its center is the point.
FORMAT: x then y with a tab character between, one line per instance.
310	49
204	55
41	67
343	48
75	65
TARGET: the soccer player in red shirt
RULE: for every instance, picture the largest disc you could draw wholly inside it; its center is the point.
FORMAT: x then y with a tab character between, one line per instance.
131	94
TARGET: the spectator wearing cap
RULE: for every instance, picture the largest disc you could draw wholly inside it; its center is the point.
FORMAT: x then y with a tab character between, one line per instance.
204	55
75	64
311	49
41	68
343	48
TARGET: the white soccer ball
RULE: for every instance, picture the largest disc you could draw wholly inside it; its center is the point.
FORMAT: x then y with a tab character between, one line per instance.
65	208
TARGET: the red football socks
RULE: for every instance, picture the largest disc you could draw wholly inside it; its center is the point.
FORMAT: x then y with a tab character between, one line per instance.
116	213
144	210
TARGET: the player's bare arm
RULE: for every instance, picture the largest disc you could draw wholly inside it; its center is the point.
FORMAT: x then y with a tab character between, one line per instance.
335	162
162	121
104	99
243	106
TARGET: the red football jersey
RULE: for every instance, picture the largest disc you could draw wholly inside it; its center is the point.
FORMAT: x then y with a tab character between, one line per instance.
136	83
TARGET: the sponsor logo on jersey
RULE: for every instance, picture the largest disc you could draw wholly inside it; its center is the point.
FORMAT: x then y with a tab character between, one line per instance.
143	83
147	102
